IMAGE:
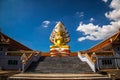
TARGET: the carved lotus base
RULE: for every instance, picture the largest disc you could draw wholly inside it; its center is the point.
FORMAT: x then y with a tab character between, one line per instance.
59	52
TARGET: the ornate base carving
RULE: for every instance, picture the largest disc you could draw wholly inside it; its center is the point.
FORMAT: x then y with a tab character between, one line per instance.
59	52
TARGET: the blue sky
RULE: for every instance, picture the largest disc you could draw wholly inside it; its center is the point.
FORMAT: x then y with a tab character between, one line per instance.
30	22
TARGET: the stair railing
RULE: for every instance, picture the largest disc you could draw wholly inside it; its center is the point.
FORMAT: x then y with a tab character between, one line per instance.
85	57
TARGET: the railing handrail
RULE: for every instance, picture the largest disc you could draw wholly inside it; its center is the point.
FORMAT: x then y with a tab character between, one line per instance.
89	58
29	59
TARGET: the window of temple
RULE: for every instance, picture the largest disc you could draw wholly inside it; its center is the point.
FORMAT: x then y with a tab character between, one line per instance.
12	62
106	62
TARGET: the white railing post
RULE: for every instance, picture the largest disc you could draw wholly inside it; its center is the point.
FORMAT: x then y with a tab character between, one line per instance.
92	66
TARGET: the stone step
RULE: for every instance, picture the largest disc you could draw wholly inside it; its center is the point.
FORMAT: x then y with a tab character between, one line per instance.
26	76
59	65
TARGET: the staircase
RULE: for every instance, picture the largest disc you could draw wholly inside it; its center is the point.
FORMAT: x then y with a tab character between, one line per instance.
59	65
59	68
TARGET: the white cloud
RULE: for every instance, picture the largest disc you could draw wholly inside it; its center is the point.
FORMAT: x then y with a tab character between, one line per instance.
92	19
115	4
95	32
45	23
105	1
114	14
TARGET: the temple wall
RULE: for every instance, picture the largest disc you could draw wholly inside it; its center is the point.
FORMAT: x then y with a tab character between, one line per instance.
106	62
117	54
117	50
14	62
10	62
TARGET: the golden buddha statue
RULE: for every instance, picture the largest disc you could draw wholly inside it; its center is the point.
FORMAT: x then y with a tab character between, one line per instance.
59	37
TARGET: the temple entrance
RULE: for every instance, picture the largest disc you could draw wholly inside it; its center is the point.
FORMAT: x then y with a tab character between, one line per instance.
59	62
59	59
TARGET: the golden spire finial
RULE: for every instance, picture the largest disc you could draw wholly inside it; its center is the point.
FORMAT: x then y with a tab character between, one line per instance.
59	23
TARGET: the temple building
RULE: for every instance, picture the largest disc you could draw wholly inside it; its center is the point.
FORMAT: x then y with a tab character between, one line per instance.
103	57
11	52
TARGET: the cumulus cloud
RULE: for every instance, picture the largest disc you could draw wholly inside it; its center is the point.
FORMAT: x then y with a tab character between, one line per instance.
115	4
114	14
96	32
45	23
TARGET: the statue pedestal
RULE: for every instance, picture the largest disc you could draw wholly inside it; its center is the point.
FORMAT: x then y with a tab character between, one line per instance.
59	52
